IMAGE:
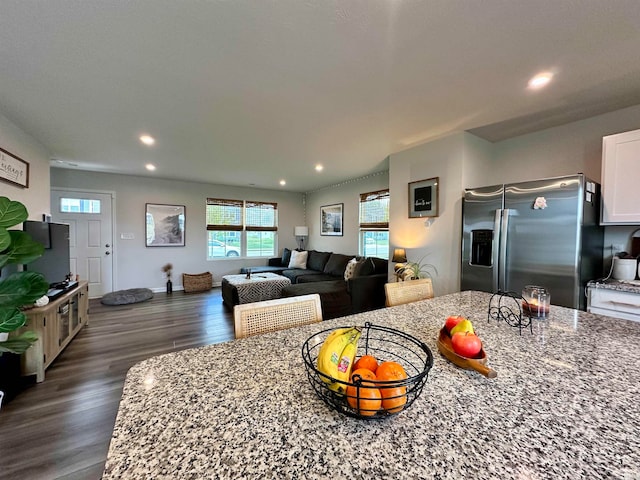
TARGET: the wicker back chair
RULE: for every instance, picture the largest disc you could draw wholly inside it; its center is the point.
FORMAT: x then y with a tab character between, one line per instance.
398	293
271	315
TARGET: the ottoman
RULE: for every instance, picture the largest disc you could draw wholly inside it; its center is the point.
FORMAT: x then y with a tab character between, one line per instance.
238	289
334	298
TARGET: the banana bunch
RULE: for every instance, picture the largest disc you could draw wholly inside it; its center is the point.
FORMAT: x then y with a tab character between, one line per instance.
336	356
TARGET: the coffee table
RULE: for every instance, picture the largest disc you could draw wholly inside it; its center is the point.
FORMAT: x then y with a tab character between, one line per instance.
237	289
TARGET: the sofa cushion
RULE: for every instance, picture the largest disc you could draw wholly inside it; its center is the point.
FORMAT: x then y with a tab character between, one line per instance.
294	273
334	298
381	265
286	257
364	267
317	260
316	277
337	264
298	259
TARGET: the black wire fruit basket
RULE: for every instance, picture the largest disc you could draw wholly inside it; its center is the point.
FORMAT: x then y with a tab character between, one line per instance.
355	398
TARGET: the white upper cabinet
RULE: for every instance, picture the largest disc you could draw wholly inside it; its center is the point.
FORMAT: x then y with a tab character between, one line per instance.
621	179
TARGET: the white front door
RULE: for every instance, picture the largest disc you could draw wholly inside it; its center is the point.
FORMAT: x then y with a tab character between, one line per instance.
89	215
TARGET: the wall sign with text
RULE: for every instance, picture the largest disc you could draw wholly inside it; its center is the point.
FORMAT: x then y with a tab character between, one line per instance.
13	169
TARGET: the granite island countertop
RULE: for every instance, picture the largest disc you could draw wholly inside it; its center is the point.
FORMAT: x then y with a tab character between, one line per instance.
563	406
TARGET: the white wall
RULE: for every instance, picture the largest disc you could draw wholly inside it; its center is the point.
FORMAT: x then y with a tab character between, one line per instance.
347	193
139	266
20	144
462	161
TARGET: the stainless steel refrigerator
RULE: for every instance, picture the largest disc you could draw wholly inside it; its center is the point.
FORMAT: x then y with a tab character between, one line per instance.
542	232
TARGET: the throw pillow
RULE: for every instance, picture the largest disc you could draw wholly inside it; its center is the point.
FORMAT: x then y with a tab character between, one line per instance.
364	267
351	267
286	257
336	264
298	259
317	260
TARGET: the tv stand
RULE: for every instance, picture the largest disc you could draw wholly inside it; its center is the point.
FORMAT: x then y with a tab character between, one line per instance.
56	324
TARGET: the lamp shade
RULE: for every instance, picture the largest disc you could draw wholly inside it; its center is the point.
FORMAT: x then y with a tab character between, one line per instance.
399	255
301	231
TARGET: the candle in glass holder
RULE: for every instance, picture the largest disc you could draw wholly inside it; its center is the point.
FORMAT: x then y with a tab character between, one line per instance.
536	301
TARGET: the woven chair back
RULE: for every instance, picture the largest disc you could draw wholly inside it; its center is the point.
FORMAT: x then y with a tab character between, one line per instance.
398	293
272	315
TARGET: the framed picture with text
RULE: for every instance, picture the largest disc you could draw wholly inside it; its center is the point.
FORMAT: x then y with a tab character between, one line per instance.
13	169
423	198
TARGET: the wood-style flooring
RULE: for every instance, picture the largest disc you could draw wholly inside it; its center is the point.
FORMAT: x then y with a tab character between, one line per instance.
61	428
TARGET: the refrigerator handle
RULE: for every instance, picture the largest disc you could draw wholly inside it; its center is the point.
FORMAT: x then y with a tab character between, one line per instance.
502	258
495	254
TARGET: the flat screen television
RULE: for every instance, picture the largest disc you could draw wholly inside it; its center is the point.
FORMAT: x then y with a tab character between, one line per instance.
55	263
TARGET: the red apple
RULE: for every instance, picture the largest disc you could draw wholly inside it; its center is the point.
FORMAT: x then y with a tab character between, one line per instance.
452	322
466	344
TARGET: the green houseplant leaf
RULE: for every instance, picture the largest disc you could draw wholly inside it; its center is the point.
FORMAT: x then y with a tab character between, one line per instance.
22	249
18	344
11	319
20	288
11	213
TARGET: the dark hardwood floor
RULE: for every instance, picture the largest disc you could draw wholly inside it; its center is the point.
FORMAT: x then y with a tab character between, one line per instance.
61	428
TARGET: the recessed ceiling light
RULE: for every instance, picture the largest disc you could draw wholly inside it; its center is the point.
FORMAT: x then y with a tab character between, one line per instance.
540	80
150	166
319	168
147	139
283	182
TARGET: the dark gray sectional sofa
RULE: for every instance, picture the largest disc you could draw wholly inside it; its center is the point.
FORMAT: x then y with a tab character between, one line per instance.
325	275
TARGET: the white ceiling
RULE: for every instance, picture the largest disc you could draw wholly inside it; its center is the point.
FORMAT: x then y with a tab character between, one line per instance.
245	92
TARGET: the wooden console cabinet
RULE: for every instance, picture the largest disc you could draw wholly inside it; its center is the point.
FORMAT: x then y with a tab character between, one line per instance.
55	324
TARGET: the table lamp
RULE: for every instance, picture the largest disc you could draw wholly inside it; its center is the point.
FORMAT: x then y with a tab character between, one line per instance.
400	258
301	233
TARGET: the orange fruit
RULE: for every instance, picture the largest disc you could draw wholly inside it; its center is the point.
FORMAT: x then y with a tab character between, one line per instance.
364	373
394	398
364	399
390	371
366	361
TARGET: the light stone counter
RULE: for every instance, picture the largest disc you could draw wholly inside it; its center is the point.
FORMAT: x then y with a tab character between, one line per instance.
632	286
564	406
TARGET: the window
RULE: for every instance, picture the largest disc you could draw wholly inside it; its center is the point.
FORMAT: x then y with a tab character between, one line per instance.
79	205
229	222
374	224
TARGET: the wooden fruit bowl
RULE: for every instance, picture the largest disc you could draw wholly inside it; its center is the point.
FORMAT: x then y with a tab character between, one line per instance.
478	364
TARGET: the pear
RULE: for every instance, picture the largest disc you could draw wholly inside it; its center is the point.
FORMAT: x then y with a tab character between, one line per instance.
462	326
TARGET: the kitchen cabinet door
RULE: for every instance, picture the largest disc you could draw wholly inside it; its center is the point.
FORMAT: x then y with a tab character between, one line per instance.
621	179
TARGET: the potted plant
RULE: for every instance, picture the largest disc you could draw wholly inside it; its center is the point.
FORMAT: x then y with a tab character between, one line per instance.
20	288
415	270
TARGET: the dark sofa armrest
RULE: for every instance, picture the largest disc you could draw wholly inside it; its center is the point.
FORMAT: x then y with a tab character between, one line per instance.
367	292
275	262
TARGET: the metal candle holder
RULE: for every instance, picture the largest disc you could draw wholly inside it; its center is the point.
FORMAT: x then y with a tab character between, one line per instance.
507	306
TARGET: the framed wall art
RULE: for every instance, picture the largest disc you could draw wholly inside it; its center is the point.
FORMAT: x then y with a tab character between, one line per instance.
423	198
331	219
13	169
164	225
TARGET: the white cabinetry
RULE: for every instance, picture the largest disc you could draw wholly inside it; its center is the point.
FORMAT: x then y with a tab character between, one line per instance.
621	179
614	303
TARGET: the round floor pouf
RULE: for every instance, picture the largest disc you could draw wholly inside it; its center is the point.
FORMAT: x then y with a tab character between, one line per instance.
125	297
